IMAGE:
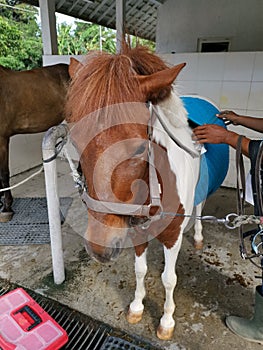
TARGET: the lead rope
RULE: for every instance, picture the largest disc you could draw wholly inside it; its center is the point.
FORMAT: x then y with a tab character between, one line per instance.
241	192
254	234
258	197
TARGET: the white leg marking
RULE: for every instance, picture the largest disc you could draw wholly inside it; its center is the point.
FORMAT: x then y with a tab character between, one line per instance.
169	279
140	271
198	227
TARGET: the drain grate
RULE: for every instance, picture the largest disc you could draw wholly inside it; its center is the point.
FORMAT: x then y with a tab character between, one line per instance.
114	343
84	332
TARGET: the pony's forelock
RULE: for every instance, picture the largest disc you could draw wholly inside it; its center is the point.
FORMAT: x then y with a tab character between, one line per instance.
106	79
103	80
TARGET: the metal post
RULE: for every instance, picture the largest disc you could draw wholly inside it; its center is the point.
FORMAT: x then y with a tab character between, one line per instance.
120	23
48	27
48	151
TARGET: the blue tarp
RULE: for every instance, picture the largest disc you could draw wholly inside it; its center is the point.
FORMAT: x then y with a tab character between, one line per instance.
215	161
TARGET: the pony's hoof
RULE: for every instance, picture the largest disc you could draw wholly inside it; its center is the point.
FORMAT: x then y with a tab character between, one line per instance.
6	216
199	245
165	333
134	317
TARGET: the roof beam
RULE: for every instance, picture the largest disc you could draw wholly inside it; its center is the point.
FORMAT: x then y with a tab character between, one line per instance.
138	15
84	8
157	2
98	8
107	11
60	4
74	4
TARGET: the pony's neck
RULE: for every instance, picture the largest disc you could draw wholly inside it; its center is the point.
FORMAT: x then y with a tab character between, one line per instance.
174	113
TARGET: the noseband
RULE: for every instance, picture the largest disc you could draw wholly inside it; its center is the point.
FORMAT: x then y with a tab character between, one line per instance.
150	212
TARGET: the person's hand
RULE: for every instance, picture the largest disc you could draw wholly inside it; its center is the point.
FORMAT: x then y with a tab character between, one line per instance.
229	117
211	133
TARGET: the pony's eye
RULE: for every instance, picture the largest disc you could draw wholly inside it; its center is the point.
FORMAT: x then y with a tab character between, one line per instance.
140	150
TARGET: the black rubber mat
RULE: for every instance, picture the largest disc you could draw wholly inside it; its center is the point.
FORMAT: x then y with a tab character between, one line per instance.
29	224
84	332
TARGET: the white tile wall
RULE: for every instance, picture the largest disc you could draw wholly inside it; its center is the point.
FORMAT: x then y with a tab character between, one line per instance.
258	67
239	66
210	89
234	94
255	98
25	152
232	80
210	67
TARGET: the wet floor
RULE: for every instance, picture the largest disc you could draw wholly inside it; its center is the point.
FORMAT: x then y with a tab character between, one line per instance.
212	283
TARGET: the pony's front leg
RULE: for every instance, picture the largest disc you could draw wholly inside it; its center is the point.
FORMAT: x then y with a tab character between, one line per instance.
198	228
169	279
136	307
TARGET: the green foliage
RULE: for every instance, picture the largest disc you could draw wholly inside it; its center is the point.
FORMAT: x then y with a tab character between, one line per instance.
20	39
84	37
150	44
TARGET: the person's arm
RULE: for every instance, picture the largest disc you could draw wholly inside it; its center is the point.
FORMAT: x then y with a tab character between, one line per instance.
247	121
212	133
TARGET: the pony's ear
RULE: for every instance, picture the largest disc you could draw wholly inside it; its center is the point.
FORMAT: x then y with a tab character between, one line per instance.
155	82
74	66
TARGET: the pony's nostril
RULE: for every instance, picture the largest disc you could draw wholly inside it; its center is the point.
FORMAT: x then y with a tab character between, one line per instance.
116	249
118	244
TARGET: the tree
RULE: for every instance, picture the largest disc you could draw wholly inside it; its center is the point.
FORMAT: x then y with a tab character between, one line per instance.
84	37
20	39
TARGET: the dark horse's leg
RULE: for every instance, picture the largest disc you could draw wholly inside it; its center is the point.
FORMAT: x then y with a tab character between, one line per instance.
6	212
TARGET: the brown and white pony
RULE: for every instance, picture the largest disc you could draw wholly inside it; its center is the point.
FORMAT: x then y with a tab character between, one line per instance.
111	127
31	101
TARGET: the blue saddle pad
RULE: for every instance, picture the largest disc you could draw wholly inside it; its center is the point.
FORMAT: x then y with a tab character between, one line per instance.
215	161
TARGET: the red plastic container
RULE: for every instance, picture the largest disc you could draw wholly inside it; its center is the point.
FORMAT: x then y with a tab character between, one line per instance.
24	325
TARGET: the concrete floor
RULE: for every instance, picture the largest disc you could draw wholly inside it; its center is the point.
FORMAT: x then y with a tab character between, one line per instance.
212	283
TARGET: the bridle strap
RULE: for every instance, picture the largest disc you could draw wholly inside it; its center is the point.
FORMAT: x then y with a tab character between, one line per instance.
191	152
115	208
126	208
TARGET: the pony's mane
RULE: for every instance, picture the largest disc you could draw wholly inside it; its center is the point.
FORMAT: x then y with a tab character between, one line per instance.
106	79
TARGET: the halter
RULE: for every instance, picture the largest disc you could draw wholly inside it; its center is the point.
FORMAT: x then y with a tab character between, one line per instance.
138	210
255	235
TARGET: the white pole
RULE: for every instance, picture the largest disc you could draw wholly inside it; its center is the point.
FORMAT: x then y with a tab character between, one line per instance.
48	151
120	23
48	27
100	40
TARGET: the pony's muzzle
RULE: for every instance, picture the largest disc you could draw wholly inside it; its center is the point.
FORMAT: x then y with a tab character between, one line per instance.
104	254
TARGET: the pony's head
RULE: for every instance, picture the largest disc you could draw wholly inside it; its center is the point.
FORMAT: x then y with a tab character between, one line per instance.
107	106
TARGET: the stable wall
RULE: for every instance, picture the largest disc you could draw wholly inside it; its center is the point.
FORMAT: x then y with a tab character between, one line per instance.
232	81
181	23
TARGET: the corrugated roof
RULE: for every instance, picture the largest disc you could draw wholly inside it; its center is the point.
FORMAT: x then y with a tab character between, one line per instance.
141	15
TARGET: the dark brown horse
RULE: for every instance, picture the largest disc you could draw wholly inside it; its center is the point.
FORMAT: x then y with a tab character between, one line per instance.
30	101
120	143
